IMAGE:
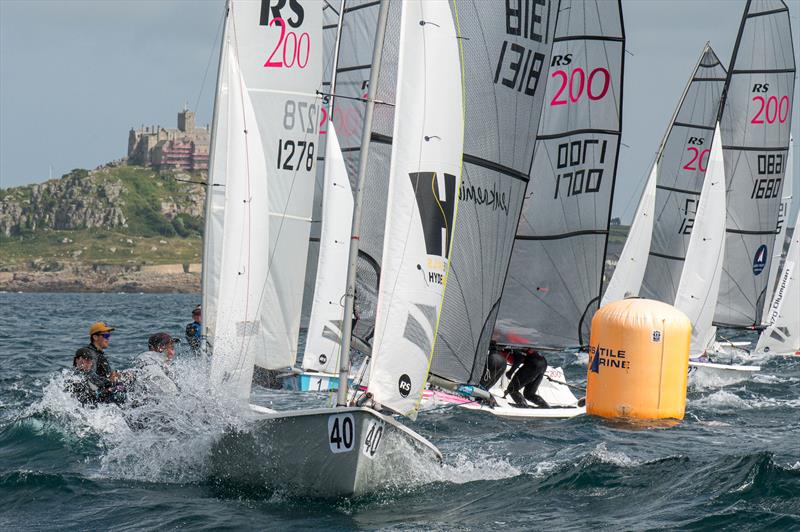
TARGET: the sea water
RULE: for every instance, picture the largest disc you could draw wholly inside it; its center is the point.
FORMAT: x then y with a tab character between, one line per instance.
733	463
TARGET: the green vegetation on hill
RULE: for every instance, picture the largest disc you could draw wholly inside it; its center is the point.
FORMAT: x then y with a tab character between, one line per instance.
113	215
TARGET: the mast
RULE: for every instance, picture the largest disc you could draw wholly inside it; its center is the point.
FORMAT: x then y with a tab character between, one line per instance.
349	298
336	47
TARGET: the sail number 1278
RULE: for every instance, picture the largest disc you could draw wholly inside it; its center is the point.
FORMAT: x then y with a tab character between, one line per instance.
295	154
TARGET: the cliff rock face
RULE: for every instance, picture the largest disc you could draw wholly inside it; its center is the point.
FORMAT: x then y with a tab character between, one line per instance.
104	198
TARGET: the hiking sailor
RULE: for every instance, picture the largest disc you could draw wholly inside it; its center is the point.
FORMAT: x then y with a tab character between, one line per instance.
88	387
153	372
99	338
496	364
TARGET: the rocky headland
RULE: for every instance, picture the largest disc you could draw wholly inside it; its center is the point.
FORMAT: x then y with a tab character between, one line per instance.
117	228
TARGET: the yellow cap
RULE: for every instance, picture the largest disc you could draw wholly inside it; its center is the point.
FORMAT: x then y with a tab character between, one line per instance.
99	327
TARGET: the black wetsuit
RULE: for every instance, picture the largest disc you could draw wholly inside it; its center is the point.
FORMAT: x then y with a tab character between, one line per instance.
91	389
528	377
100	362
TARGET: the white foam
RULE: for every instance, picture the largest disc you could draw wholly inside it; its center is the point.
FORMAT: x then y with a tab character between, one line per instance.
721	400
617	458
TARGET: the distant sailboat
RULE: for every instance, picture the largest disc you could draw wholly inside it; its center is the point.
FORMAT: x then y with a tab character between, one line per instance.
674	248
755	123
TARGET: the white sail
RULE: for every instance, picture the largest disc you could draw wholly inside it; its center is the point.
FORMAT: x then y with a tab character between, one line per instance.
782	334
628	274
423	185
215	195
238	332
279	50
699	285
324	328
780	238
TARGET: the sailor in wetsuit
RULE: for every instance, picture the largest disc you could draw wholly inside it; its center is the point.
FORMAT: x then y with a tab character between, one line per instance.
90	388
100	373
527	378
194	331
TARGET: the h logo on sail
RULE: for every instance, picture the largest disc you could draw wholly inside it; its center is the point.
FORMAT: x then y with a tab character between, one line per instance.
436	200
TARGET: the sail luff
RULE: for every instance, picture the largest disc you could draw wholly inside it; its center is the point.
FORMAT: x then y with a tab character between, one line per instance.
215	194
783	220
782	334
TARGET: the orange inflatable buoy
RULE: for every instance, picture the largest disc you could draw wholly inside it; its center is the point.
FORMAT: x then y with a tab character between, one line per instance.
638	361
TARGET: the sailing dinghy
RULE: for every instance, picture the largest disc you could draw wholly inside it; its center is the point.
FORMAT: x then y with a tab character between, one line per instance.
552	285
674	250
345	450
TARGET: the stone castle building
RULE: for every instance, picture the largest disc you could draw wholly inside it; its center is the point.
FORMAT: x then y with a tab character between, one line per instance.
185	148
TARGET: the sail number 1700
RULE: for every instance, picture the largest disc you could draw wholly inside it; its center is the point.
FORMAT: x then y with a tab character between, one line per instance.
583	180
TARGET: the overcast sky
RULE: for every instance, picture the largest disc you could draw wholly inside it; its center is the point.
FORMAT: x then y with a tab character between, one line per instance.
76	75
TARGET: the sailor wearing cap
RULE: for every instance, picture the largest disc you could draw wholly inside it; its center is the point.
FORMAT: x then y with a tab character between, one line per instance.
99	338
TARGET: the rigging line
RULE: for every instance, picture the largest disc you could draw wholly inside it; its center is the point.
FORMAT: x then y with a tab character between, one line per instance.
210	57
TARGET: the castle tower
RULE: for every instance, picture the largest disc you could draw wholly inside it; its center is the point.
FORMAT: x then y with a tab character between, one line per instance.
186	121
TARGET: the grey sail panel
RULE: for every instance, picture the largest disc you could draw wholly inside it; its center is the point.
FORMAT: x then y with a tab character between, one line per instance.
554	280
504	68
755	126
681	171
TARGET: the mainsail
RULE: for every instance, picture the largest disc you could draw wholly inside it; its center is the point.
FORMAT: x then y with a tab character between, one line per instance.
505	53
556	270
654	257
755	125
425	174
266	163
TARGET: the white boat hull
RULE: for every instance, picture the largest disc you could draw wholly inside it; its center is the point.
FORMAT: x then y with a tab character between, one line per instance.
563	403
324	453
711	373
